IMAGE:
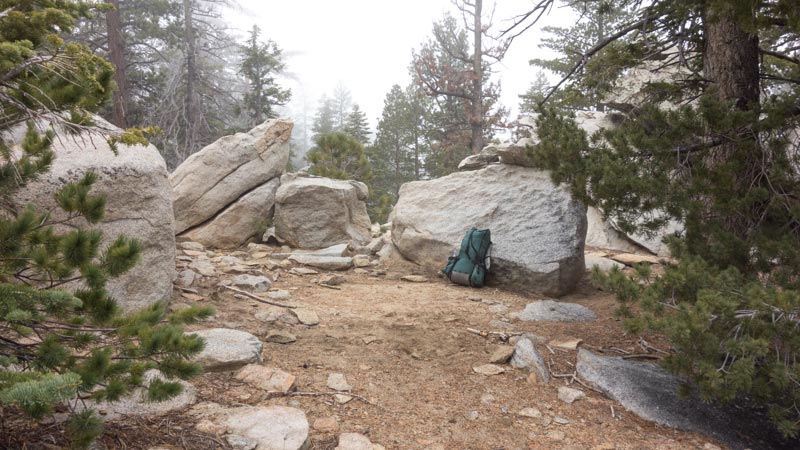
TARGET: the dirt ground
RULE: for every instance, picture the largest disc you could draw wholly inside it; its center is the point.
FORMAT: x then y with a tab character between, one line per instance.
407	350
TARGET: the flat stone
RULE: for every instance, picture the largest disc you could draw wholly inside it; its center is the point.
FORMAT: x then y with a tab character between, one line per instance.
342	399
273	427
186	278
533	413
414	278
302	271
526	357
501	354
266	378
332	280
353	441
323	262
560	420
566	344
252	283
333	250
488	369
227	349
651	393
361	261
280	337
630	259
326	425
191	245
570	395
549	310
204	268
279	294
306	316
338	382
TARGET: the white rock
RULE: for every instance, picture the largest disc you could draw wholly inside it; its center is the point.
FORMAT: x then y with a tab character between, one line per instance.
570	395
538	229
266	378
361	261
138	205
227	349
323	262
602	263
353	441
252	283
549	310
273	427
219	174
306	316
526	357
240	221
314	212
338	382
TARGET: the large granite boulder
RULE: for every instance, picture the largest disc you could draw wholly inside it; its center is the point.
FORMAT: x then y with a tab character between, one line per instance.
317	212
224	171
242	220
138	205
538	229
603	234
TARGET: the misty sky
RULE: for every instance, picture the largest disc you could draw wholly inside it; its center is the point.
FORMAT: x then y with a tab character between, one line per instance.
367	44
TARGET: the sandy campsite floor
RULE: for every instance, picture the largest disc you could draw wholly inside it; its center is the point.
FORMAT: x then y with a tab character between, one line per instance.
407	350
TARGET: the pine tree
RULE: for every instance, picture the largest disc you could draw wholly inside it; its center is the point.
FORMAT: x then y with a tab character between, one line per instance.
356	125
324	118
714	147
341	156
59	343
259	66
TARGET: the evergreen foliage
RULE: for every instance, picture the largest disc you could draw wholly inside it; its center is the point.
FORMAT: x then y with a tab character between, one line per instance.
356	125
341	156
62	338
260	65
716	148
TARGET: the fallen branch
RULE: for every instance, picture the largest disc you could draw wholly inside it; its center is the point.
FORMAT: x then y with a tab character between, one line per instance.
501	335
185	289
257	298
641	356
330	286
324	394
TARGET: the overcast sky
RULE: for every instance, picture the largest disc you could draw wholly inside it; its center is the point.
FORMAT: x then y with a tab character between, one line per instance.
367	44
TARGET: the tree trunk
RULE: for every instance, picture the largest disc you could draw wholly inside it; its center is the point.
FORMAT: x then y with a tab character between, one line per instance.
476	119
116	52
731	65
191	106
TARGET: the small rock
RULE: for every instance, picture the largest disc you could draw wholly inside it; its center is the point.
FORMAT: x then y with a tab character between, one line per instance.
332	280
279	294
306	316
530	412
567	344
186	278
323	262
266	378
241	442
488	369
414	278
302	271
191	245
602	263
227	349
252	283
501	354
487	399
557	435
526	357
280	337
475	299
361	261
204	268
342	399
570	395
560	420
326	425
472	415
273	427
353	441
338	382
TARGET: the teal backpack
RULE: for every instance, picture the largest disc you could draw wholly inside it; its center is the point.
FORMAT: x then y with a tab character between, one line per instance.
470	265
